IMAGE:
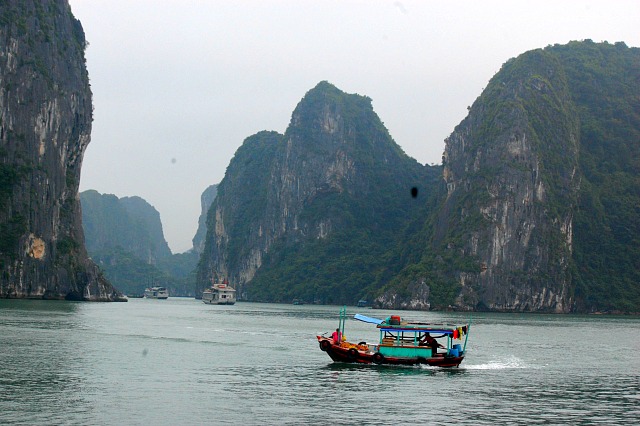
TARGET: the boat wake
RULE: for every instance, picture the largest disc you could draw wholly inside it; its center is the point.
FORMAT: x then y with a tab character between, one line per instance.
511	362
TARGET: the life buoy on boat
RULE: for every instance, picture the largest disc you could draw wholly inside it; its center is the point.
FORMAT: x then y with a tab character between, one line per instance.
324	345
352	354
378	358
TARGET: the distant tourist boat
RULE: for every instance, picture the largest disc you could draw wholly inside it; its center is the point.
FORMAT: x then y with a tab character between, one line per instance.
156	293
219	294
400	342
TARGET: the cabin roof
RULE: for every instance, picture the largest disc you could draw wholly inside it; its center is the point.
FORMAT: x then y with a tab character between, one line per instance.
417	326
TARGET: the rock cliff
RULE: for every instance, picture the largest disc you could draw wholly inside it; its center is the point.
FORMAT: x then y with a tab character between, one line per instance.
541	191
45	126
128	222
510	169
297	213
206	199
535	208
238	230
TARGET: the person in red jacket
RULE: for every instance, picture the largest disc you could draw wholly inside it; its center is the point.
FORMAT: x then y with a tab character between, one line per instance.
336	336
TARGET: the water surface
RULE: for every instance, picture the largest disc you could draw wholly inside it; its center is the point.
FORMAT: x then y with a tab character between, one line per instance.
180	361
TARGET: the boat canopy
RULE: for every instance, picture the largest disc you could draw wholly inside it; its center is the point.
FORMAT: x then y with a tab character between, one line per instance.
395	324
445	329
365	318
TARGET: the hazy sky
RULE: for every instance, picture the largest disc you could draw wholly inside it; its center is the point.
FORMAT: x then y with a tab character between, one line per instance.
179	84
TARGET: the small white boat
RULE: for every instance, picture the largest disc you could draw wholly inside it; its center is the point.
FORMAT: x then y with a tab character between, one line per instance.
219	294
156	293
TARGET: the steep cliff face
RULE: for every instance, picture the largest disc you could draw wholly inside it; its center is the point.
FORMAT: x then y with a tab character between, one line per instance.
541	186
238	230
510	169
45	125
535	208
206	199
334	190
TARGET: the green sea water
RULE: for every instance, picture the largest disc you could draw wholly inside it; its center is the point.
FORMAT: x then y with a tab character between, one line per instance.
181	362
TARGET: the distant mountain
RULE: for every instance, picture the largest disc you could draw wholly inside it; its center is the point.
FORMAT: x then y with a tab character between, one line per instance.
206	200
124	236
314	214
129	222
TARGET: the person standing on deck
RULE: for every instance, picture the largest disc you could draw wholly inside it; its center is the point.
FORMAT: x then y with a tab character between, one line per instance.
336	336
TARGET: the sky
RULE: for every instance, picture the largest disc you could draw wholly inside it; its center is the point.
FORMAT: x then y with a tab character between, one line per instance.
179	84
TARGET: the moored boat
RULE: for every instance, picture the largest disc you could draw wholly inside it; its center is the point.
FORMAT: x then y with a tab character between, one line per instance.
219	294
156	293
400	342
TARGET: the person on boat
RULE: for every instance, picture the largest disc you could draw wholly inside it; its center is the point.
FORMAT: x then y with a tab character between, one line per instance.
427	340
336	336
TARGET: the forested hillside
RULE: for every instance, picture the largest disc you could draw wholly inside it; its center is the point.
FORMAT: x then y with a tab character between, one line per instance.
124	237
605	82
542	207
535	208
128	222
314	214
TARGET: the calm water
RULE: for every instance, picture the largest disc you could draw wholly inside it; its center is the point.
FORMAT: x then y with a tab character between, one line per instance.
181	362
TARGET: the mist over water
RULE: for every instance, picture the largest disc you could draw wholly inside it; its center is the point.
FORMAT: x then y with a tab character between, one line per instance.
180	361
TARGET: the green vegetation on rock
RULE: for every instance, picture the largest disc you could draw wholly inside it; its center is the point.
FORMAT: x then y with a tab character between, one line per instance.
539	209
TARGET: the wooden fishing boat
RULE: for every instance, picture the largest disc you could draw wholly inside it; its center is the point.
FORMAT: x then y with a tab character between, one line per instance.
400	342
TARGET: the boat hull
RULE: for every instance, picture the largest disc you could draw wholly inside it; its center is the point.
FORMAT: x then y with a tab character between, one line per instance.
159	293
219	294
213	302
350	354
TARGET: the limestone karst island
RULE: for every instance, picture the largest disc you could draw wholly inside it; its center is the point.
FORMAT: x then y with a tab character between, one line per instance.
45	127
535	207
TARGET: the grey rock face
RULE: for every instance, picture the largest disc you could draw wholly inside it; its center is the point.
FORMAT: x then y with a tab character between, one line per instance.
206	199
335	170
45	126
511	190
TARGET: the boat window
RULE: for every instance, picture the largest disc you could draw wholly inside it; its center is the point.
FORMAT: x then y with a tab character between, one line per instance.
402	338
408	338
